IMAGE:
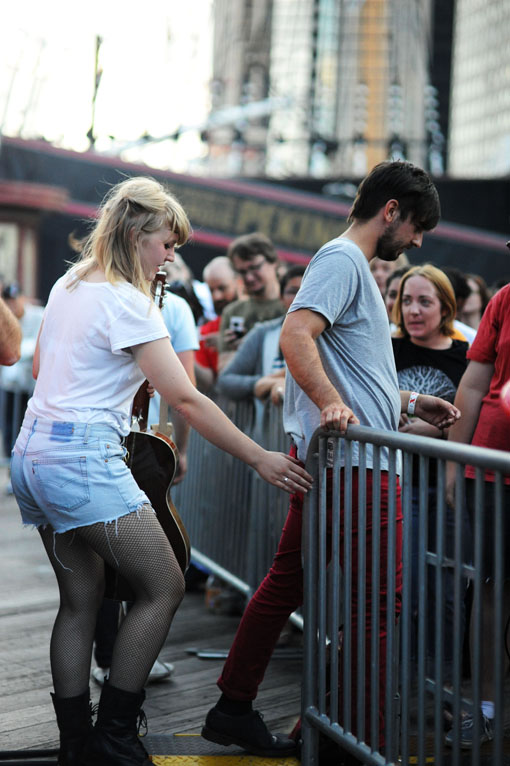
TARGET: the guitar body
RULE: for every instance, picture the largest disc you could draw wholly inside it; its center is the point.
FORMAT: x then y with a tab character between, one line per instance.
152	459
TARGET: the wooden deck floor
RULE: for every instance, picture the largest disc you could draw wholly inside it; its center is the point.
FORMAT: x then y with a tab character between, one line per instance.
28	603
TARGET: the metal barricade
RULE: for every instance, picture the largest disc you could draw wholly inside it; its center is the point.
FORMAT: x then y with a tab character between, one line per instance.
12	409
362	667
233	517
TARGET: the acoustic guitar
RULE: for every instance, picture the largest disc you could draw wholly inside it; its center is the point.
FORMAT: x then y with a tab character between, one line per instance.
152	457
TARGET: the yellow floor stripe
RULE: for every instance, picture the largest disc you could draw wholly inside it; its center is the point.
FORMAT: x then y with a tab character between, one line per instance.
221	760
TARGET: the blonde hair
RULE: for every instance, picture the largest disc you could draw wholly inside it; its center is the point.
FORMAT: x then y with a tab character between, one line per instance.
444	291
131	208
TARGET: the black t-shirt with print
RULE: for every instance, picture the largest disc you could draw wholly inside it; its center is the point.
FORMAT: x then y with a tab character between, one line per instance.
429	371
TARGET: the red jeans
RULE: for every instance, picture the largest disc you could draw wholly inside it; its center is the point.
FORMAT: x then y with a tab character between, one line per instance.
281	593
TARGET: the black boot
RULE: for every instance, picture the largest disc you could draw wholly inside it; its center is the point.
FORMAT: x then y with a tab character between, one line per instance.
114	740
74	719
248	731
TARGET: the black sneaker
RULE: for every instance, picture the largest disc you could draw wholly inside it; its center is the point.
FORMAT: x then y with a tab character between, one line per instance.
467	731
247	731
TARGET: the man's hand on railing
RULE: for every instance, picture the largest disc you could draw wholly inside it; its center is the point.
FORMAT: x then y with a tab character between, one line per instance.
438	412
337	416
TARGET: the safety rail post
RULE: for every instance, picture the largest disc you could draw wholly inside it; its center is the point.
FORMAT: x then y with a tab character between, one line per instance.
391	625
375	659
405	618
334	583
499	629
309	733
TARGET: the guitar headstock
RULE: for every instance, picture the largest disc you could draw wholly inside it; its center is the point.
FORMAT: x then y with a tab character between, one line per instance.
159	288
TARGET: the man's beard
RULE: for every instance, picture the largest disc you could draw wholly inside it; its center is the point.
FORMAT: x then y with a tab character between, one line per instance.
219	306
388	248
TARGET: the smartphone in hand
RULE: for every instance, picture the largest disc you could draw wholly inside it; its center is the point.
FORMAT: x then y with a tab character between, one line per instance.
237	326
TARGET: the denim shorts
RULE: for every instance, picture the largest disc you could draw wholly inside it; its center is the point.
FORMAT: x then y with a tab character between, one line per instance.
70	475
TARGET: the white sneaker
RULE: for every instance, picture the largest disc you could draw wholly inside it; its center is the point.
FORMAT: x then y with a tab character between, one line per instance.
99	674
160	671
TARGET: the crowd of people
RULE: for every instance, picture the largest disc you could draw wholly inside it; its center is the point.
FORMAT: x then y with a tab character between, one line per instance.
299	337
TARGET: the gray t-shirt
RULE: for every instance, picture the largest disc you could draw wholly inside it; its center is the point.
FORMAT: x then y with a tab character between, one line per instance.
355	348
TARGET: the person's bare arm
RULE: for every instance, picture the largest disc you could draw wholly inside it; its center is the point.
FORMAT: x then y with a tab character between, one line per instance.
10	336
160	365
181	427
474	385
433	410
300	330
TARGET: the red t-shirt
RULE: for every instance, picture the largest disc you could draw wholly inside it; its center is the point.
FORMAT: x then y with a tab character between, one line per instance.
492	346
207	356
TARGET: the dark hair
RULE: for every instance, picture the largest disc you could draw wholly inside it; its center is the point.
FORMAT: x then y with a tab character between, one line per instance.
185	290
397	274
483	288
11	291
499	283
249	245
459	282
291	273
408	184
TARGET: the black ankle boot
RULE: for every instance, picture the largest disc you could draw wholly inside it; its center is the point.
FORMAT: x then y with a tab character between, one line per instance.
114	740
74	719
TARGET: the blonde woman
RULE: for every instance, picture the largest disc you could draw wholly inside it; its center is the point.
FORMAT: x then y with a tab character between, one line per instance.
101	336
429	360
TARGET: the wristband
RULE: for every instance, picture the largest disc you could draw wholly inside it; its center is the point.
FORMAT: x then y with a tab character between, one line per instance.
413	396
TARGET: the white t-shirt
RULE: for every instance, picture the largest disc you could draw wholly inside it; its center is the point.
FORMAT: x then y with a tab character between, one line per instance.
355	348
85	374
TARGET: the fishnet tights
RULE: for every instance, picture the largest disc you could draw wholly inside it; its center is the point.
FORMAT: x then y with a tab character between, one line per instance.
138	548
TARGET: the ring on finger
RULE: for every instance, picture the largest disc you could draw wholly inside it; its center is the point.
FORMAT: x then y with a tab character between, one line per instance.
285	478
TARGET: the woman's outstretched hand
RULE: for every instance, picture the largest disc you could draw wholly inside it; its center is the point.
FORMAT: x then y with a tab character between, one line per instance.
284	472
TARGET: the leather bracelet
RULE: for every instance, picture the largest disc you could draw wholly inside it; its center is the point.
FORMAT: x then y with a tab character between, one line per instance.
413	396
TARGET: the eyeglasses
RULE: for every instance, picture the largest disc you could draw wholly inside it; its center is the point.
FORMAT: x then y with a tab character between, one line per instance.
250	269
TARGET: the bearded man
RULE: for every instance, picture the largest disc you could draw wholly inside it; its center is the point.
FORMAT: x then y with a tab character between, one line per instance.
341	370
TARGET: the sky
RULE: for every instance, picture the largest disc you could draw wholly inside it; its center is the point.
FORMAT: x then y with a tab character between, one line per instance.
155	59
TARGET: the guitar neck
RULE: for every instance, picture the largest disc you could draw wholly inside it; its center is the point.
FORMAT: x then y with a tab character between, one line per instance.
140	410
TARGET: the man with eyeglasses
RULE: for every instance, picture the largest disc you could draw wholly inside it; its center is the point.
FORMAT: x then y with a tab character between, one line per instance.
255	261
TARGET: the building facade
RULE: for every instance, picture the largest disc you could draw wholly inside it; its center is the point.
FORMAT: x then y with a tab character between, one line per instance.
346	84
479	138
